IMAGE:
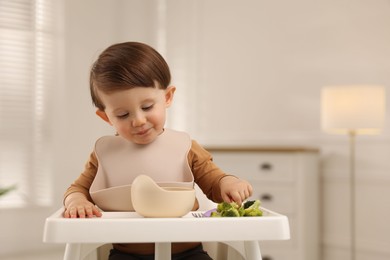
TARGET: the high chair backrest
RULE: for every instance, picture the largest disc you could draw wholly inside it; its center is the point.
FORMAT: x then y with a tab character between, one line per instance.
204	203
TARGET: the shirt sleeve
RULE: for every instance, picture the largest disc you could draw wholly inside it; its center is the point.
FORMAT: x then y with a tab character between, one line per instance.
206	173
84	181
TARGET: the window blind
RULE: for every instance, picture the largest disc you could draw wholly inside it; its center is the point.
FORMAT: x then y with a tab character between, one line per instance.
27	70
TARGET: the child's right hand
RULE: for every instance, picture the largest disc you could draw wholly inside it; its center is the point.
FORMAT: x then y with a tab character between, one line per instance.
77	206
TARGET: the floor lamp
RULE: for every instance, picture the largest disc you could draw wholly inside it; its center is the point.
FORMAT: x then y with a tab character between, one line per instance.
352	110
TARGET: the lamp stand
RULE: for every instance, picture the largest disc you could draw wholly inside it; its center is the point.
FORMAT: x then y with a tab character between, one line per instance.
352	136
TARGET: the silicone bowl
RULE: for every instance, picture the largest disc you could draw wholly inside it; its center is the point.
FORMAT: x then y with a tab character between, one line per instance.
151	200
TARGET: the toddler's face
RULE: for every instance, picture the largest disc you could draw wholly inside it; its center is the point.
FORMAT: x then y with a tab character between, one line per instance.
137	114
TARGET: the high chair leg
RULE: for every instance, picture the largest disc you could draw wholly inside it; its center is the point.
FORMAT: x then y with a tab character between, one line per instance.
72	251
252	250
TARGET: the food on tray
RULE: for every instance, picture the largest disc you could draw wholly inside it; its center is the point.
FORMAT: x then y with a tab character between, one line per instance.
250	208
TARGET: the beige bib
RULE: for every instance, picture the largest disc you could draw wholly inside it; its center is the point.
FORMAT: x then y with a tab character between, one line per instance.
120	161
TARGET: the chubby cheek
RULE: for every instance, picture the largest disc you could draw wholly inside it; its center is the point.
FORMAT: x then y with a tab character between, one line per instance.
158	120
122	129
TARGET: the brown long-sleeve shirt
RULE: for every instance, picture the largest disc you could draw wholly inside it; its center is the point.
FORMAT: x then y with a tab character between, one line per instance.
206	175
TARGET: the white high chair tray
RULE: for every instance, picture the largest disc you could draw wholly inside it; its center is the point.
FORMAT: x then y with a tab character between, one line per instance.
119	227
84	235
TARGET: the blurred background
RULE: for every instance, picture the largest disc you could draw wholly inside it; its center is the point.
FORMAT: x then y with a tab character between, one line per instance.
247	73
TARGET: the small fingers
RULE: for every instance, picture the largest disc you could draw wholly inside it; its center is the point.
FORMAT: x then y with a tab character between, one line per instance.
96	212
250	190
237	197
226	198
66	214
74	212
89	212
93	211
70	213
240	196
245	195
81	212
237	191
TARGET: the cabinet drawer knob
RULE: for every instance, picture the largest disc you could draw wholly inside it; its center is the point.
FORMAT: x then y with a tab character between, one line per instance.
266	197
266	166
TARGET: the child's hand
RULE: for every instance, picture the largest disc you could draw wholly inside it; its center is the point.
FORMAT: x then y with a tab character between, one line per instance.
77	206
234	189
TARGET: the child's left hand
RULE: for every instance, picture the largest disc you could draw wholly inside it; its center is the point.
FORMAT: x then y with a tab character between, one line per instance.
234	189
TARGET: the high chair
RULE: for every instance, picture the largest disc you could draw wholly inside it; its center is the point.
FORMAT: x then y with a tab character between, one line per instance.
216	250
84	236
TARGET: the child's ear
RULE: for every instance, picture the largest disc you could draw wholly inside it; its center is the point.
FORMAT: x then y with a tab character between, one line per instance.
103	116
169	93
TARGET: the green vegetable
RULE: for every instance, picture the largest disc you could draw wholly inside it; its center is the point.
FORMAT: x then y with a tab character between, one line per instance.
252	208
247	209
224	206
241	211
215	214
231	213
226	209
248	203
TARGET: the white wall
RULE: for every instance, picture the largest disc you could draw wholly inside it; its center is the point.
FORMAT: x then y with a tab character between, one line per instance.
260	67
247	72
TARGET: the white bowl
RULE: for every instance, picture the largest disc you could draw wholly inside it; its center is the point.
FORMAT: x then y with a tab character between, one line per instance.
151	200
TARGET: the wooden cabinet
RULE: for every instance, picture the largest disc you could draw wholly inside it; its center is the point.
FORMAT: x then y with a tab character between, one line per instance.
286	180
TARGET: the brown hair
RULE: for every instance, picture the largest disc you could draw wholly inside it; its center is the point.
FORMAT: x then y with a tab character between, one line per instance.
125	66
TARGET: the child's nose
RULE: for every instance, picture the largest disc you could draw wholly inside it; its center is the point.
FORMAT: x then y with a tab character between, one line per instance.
139	120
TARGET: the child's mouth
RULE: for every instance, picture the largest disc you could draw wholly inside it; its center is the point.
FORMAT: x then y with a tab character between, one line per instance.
143	132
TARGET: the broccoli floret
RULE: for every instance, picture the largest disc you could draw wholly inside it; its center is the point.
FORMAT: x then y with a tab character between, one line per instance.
215	214
234	205
251	208
254	213
241	211
230	213
226	209
248	203
224	206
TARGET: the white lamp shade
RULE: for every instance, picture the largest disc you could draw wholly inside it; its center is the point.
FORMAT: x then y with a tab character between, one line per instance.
358	109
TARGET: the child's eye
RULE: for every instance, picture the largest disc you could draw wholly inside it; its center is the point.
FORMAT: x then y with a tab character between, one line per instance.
123	116
147	108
